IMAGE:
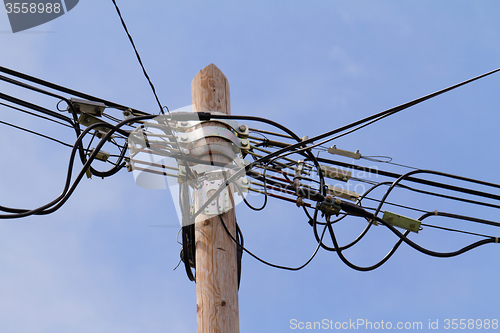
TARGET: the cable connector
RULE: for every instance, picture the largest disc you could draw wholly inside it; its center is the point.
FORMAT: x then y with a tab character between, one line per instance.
101	155
89	107
402	221
330	206
333	150
342	193
335	173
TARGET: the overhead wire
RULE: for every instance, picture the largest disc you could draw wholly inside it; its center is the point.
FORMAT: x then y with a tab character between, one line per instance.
138	57
36	133
270	163
36	115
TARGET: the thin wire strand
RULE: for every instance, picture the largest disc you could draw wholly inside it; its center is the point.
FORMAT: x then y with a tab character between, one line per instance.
139	57
36	115
36	133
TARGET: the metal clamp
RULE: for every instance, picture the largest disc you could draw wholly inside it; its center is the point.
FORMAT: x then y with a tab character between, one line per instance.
240	130
330	206
212	131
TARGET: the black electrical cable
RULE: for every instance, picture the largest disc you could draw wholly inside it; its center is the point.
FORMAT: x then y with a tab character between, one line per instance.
305	192
246	201
68	190
462	178
264	261
408	174
398	205
434	253
239	251
36	115
36	133
419	180
361	235
138	57
359	211
455	230
74	123
365	230
36	108
338	250
286	130
377	116
459	217
427	214
68	91
188	254
475	202
312	194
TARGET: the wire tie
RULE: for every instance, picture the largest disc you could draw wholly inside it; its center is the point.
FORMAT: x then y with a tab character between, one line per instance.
436	212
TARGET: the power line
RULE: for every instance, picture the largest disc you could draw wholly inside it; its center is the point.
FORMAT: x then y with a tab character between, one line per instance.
139	58
288	170
36	133
36	115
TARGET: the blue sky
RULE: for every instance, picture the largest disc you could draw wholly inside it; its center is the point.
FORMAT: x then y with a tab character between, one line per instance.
101	264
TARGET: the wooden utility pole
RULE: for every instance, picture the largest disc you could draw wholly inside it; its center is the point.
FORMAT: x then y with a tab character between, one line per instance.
216	263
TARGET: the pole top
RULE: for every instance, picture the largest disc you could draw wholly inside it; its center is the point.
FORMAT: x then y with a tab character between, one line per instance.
210	91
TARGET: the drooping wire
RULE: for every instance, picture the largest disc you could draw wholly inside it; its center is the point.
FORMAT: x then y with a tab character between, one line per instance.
267	262
69	187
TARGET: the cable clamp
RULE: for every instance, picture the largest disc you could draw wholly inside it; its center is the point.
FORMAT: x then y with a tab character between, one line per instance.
402	221
436	212
330	206
496	240
335	151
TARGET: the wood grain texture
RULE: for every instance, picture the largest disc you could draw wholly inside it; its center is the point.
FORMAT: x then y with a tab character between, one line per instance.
216	265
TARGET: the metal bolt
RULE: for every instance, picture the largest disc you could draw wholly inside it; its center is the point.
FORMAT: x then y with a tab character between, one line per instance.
329	198
243	128
212	203
185	151
184	123
244	181
184	137
244	142
390	218
338	201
